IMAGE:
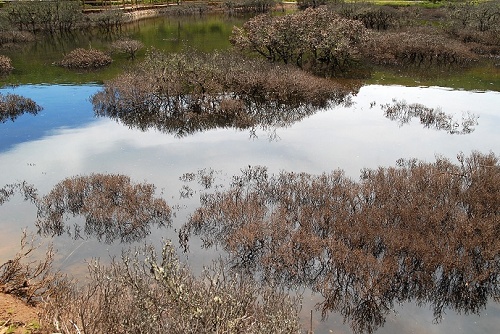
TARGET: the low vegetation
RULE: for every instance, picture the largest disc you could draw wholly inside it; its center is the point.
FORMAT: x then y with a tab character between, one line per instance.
12	106
420	232
434	118
5	64
316	39
189	92
130	47
113	207
85	59
146	293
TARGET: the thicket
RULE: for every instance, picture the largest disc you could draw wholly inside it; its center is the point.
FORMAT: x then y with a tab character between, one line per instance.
315	39
419	232
188	92
12	106
85	59
130	47
147	293
114	208
5	64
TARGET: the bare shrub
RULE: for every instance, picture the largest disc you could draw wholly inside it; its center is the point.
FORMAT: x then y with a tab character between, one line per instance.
108	20
113	208
423	232
12	106
186	93
5	64
128	46
429	117
85	59
26	277
10	38
146	294
249	6
416	49
315	39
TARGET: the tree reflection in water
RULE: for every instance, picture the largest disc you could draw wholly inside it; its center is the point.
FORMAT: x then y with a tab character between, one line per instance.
423	232
182	94
12	106
429	117
113	207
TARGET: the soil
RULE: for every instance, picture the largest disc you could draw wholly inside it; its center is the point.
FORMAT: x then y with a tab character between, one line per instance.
17	317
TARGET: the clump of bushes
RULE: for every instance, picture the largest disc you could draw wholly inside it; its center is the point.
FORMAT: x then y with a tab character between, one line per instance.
147	293
130	47
417	49
85	59
12	106
317	40
5	64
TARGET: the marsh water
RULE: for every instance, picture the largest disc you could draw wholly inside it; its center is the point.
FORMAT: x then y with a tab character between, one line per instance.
67	139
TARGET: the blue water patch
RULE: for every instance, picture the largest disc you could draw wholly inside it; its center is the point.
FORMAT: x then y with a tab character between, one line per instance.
64	106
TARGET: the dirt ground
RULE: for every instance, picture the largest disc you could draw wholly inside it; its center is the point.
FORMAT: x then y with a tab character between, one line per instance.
16	317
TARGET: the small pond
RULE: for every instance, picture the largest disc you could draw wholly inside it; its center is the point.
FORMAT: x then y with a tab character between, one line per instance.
66	139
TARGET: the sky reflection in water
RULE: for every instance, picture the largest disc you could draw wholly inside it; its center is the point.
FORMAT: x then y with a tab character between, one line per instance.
65	140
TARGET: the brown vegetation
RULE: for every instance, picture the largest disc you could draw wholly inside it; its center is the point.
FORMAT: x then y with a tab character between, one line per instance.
185	93
5	64
85	59
424	232
315	39
144	293
12	106
113	208
128	46
429	117
27	277
415	48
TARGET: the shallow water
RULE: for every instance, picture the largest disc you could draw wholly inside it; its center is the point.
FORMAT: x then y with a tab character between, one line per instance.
66	139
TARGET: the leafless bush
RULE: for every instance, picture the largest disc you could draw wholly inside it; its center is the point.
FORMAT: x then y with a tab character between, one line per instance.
108	20
26	277
423	232
128	46
85	59
185	93
12	37
315	39
12	106
113	208
144	294
429	117
416	49
5	64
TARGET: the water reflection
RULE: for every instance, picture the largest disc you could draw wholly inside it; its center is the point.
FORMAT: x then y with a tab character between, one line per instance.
182	94
12	106
429	117
424	232
66	140
113	208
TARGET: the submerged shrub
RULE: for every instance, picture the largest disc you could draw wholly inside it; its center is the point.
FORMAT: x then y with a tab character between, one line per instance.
12	106
422	232
315	39
128	46
416	49
5	64
113	207
189	92
85	59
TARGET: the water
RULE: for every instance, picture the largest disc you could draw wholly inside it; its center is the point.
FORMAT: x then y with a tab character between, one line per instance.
66	139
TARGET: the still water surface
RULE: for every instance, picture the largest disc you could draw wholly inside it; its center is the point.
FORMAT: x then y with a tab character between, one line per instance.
66	139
